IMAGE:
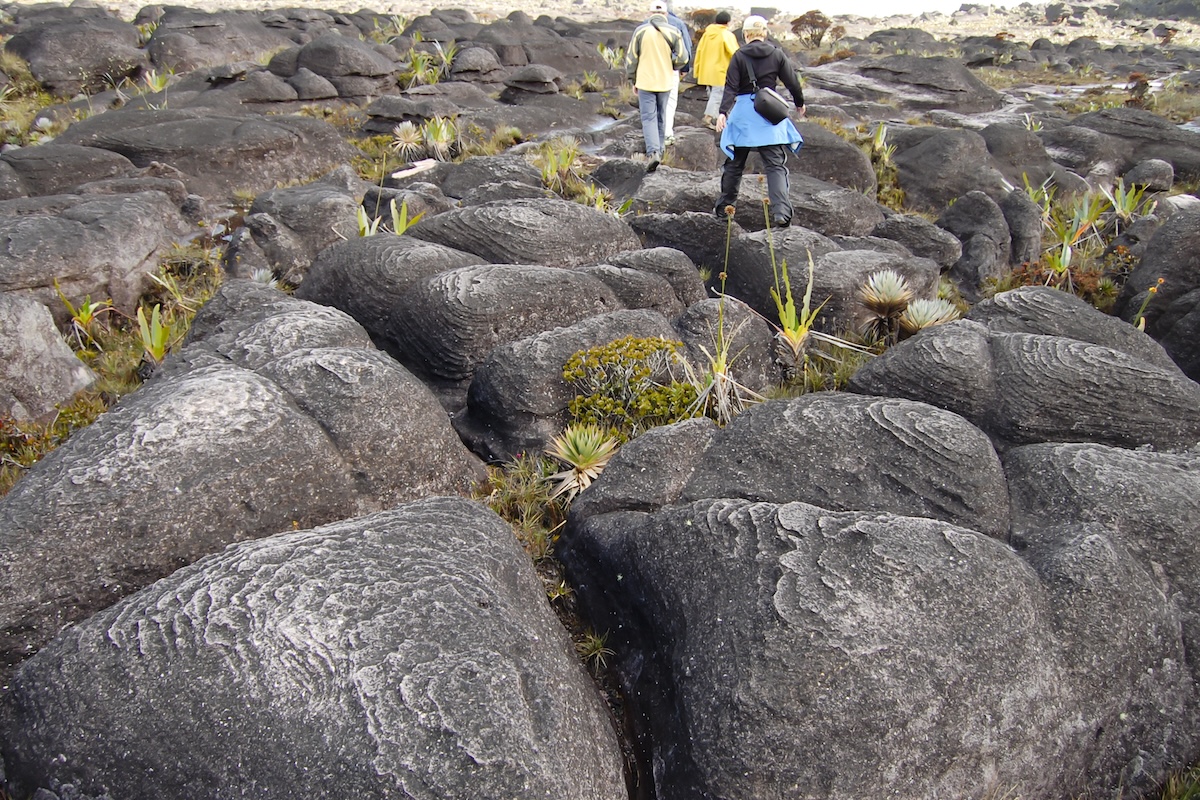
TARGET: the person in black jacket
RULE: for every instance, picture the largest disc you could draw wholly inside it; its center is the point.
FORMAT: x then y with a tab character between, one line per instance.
743	130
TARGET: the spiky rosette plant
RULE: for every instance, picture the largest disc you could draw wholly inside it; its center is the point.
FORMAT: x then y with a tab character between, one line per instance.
408	140
585	451
885	294
922	314
441	138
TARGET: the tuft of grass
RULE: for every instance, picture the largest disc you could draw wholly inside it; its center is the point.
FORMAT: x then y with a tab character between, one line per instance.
115	347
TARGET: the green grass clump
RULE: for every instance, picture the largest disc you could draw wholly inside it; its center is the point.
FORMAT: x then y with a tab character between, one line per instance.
118	351
626	387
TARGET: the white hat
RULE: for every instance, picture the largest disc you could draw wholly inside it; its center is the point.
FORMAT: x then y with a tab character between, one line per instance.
658	7
754	23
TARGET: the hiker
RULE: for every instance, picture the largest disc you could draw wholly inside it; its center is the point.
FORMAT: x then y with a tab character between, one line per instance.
655	52
743	130
673	100
717	45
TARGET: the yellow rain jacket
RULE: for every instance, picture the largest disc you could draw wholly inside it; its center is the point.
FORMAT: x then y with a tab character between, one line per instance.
655	53
716	48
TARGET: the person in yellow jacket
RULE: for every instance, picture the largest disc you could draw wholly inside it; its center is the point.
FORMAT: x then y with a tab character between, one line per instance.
655	54
713	54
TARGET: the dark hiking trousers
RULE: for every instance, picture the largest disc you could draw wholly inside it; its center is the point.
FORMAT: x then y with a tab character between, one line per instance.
774	158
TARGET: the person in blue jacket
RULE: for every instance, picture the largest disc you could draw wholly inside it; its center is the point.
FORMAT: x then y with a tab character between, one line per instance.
743	130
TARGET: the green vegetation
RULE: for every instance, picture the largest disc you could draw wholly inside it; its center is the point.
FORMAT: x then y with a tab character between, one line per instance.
584	450
122	350
626	387
1080	253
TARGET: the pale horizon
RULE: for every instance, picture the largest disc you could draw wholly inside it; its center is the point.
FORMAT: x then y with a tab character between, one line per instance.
870	8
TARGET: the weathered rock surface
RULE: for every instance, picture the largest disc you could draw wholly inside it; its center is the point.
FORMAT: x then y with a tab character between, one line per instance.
93	246
790	651
218	152
551	232
37	368
844	453
1025	388
277	414
407	652
444	327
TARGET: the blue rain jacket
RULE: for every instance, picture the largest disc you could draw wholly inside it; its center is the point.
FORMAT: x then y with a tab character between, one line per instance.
745	127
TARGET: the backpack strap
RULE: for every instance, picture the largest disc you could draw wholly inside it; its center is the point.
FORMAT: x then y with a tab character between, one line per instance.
750	66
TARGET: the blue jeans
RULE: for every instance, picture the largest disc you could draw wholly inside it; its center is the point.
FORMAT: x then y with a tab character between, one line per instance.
653	109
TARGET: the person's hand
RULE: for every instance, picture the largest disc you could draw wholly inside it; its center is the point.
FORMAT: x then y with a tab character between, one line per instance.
720	122
801	111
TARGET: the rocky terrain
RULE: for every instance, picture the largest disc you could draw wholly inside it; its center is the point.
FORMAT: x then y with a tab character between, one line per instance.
972	573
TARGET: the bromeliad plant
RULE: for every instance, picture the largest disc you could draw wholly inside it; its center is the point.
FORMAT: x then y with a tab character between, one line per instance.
886	294
584	451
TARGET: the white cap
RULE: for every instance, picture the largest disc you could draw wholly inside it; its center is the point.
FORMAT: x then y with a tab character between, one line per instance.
754	23
658	7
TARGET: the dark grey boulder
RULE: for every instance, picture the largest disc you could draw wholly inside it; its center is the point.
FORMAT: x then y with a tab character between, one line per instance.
292	225
637	289
943	165
829	157
218	152
1179	332
186	39
1172	254
1025	388
517	42
953	86
1144	134
477	64
788	651
921	238
311	86
979	223
818	205
335	56
749	338
54	168
672	264
367	275
517	401
462	178
551	232
700	237
444	327
1021	156
1041	310
11	185
908	82
276	414
407	652
504	191
535	78
1138	703
1082	149
1154	174
97	246
1145	502
37	368
1025	226
79	54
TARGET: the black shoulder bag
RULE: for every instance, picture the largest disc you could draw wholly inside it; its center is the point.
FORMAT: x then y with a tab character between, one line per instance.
769	103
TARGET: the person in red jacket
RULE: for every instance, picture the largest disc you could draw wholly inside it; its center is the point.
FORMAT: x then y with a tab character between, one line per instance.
744	130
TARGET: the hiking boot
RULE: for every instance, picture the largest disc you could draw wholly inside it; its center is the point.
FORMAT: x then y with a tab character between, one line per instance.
655	160
709	122
669	141
781	222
